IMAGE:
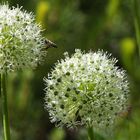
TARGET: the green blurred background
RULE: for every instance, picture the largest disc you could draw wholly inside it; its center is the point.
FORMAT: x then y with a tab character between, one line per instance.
84	24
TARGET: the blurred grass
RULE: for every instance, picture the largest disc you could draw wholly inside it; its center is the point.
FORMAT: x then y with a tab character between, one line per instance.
84	24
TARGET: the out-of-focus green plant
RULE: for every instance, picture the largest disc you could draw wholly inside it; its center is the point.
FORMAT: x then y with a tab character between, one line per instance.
136	11
64	21
58	134
129	129
112	8
127	51
20	83
129	56
41	12
22	107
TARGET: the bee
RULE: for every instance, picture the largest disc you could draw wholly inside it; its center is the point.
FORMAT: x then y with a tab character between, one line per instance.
49	44
126	113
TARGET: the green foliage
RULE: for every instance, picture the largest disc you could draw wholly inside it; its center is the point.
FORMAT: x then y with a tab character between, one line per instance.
57	133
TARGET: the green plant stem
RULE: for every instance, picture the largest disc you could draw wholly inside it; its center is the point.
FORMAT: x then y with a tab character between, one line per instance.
136	12
6	128
90	133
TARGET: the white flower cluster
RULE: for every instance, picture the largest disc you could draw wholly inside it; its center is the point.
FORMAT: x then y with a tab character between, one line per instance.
20	39
86	89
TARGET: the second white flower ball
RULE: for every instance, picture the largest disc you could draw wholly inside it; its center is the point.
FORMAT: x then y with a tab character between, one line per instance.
86	89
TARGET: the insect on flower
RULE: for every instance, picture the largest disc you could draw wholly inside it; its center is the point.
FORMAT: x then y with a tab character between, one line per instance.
49	44
126	113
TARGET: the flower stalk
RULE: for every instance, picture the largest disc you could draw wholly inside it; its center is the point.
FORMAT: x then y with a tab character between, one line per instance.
137	22
90	133
5	119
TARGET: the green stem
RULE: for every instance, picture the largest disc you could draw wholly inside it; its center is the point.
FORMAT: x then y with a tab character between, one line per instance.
137	21
6	128
90	133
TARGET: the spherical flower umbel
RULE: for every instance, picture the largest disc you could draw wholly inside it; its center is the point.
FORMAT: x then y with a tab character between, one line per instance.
86	89
20	39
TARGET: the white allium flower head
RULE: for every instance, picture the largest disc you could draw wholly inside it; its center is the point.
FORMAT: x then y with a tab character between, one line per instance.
20	39
86	89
